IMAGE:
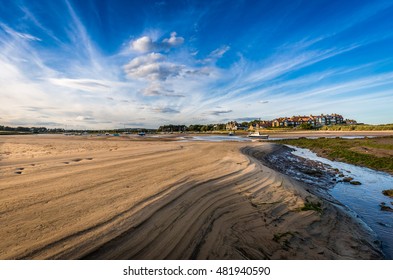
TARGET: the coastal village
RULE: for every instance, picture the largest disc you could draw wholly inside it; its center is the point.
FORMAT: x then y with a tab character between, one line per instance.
302	122
310	121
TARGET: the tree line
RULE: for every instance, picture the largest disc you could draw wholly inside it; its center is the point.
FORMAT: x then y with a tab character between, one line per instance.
193	127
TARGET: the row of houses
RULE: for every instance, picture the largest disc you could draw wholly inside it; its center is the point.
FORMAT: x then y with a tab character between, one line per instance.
314	121
294	121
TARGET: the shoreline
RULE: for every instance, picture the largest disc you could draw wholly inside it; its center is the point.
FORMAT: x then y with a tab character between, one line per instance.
316	178
82	198
303	170
329	182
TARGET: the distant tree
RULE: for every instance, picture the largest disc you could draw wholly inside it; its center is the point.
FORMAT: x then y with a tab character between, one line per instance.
204	128
194	127
245	124
220	126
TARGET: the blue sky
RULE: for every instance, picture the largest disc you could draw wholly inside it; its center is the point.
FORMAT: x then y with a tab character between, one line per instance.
104	64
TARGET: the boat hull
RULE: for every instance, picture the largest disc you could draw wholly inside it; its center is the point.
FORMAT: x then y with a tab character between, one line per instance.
259	136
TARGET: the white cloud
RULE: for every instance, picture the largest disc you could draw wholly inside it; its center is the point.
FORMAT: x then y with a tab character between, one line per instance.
157	89
173	41
152	67
152	90
143	44
146	44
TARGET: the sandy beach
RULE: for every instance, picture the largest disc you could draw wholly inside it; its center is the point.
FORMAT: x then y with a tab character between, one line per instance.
74	197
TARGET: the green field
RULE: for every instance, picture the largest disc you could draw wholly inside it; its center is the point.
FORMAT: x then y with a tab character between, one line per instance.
375	153
358	127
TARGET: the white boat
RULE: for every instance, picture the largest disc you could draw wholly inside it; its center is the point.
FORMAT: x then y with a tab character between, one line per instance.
231	133
258	135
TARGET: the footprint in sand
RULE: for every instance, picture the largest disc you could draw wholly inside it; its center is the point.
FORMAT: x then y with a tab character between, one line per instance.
20	168
33	164
77	160
18	172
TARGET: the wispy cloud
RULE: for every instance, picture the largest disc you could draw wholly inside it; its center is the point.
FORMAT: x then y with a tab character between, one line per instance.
20	35
166	110
216	54
220	112
82	84
84	118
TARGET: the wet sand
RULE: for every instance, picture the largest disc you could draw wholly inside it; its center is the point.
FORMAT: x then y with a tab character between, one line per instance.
70	197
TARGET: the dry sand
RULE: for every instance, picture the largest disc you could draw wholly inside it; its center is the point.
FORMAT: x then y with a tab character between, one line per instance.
70	197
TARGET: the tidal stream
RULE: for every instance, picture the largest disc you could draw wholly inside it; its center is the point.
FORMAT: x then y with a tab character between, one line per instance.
364	199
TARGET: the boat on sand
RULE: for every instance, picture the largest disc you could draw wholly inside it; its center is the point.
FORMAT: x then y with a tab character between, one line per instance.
258	135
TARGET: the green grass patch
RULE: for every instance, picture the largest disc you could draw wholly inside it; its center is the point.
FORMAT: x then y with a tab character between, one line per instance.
312	206
343	150
358	127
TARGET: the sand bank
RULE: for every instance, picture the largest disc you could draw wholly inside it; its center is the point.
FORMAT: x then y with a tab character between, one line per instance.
71	198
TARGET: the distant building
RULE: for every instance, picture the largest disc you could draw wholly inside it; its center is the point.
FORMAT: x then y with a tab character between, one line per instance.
350	122
294	121
280	122
233	125
264	124
315	121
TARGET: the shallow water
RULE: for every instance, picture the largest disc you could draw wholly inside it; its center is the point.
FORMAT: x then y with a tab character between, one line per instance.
218	138
364	199
317	137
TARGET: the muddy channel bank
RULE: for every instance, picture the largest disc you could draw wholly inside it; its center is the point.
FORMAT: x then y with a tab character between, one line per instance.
319	179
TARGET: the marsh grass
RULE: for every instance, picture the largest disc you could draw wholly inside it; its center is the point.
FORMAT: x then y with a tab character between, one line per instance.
343	150
312	206
358	127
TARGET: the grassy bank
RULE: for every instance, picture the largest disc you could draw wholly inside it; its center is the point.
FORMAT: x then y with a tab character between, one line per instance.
375	153
358	127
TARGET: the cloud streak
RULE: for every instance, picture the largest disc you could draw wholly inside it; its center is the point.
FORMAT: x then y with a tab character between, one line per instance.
20	35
